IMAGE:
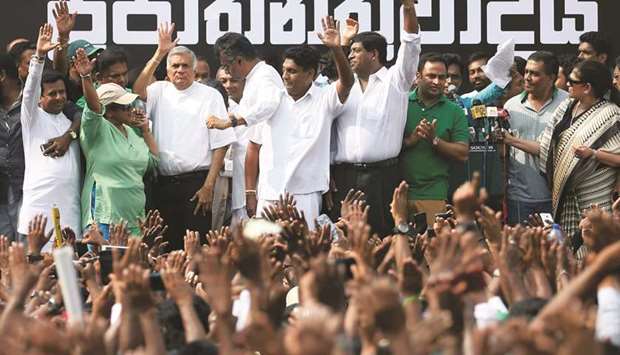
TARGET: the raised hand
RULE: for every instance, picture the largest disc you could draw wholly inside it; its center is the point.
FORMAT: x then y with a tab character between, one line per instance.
65	21
353	196
36	234
468	198
331	32
164	40
214	275
137	289
119	234
398	207
139	119
191	242
44	42
93	236
179	290
82	64
351	29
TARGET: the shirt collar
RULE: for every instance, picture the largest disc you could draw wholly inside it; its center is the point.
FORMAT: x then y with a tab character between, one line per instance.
525	103
414	97
381	74
312	92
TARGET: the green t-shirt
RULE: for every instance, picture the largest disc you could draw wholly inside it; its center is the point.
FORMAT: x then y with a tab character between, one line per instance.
115	165
425	170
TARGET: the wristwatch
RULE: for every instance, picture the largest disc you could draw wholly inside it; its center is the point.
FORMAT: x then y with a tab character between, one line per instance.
72	134
233	120
402	228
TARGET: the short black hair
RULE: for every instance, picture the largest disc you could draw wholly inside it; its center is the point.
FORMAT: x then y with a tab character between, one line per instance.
567	62
618	61
550	61
51	76
597	75
169	317
599	41
431	57
478	56
219	87
520	64
8	67
109	57
304	56
198	347
19	48
373	41
201	58
454	59
233	45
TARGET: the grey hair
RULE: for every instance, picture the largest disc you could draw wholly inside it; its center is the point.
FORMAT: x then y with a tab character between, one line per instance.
182	50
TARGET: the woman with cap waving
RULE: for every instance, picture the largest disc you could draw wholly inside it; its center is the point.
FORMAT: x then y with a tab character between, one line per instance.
116	156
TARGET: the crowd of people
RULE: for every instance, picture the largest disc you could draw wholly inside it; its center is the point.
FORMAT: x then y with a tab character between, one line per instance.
307	207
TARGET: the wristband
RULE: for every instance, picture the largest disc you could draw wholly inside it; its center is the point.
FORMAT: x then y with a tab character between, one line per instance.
85	76
410	299
250	192
38	59
33	258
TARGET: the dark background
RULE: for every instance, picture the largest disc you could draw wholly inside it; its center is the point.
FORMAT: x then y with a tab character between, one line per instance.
21	18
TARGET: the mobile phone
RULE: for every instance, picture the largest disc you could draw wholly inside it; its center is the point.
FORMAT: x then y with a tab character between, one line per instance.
344	267
323	220
431	233
444	215
105	259
81	248
547	219
420	222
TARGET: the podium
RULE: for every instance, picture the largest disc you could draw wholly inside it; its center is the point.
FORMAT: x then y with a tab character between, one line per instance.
488	161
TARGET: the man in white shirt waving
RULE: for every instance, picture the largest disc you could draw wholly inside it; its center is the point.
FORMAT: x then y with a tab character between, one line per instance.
48	181
191	155
369	132
294	154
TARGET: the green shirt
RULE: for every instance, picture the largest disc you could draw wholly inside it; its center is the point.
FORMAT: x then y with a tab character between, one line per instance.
425	170
115	165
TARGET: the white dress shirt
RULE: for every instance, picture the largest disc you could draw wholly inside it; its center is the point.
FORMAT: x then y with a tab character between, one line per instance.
48	182
373	122
262	94
294	156
238	150
180	126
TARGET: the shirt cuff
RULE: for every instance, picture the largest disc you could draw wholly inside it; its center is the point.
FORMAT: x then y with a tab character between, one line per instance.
410	37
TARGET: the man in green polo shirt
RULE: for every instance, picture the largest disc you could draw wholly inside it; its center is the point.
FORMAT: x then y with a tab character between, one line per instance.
435	135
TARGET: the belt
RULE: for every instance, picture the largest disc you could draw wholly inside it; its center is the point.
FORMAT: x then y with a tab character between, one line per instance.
374	165
176	179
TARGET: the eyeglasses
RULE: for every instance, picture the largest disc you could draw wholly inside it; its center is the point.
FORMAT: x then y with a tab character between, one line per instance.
118	107
573	82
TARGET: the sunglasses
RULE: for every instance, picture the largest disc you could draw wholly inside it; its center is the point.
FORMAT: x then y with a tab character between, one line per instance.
572	81
118	107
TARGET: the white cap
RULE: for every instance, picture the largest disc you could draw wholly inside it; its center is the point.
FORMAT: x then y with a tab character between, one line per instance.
114	93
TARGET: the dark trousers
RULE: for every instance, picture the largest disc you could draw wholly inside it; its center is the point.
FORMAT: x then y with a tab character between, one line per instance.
378	183
172	199
519	211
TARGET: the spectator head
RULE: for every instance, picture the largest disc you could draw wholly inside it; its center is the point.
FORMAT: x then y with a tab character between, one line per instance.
528	308
476	75
91	51
171	322
594	46
8	70
236	54
368	53
515	87
299	69
541	72
117	102
21	53
203	71
217	85
567	62
519	65
456	69
432	74
181	66
589	78
198	347
10	45
233	87
112	67
616	80
53	92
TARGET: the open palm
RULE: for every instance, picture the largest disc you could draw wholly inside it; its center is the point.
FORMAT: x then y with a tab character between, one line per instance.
331	32
44	42
83	65
65	21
